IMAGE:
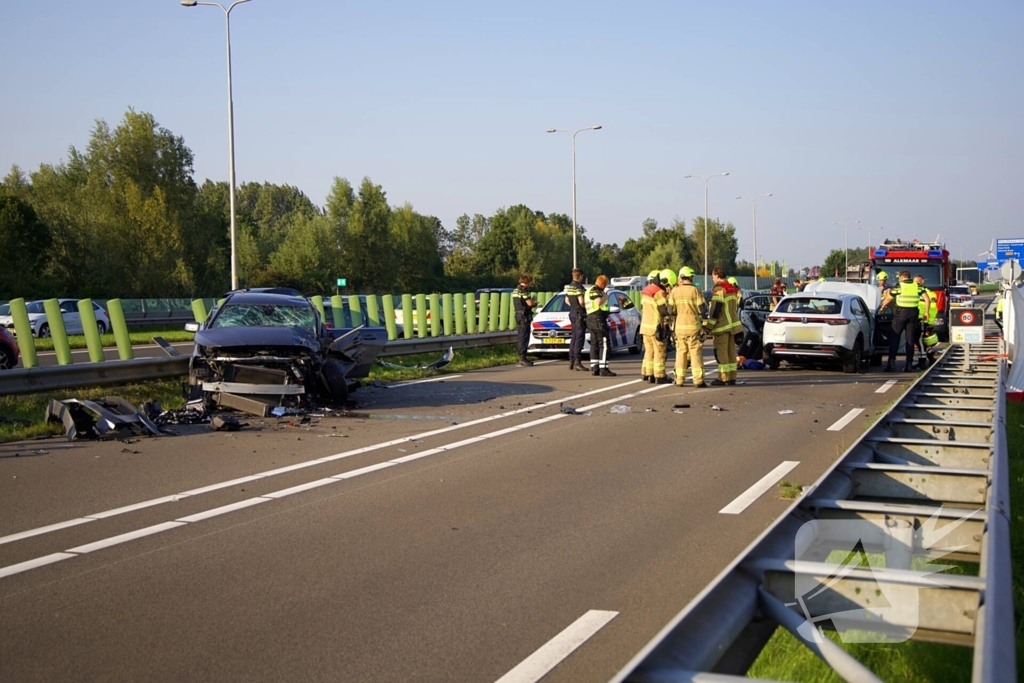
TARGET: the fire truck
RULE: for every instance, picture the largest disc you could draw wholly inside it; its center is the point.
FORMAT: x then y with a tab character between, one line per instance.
929	259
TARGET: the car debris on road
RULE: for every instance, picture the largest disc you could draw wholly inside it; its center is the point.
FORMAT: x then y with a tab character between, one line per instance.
102	417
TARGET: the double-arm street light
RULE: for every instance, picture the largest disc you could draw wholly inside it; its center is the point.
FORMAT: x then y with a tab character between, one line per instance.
573	134
706	230
753	204
231	134
846	245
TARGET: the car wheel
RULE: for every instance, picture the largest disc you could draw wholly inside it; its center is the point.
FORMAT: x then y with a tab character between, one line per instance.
44	330
6	359
332	377
101	327
638	343
851	363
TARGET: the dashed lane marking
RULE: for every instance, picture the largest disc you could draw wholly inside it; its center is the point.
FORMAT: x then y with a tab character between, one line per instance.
759	489
886	387
845	420
553	652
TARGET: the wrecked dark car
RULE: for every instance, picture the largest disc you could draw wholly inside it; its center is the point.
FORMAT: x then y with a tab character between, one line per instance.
260	350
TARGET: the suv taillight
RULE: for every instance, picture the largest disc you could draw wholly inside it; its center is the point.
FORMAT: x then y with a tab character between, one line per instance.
836	321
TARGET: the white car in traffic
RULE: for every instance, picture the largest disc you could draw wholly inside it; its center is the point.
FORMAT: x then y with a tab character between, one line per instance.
961	296
69	313
551	329
827	322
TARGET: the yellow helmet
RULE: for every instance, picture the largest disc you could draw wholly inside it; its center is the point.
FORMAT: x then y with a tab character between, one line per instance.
732	281
882	275
686	271
653	276
931	340
668	278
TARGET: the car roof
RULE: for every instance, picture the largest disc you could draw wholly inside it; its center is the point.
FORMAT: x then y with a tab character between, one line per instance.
266	298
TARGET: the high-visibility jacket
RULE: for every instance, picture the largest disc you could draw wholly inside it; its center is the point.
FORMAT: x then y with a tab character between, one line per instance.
686	300
933	310
597	303
652	306
574	290
999	307
725	303
907	294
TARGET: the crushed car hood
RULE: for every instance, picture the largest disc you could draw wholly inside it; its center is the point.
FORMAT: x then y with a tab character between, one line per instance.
227	337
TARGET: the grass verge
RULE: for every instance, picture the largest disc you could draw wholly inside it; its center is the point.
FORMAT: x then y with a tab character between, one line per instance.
77	341
21	417
784	658
789	490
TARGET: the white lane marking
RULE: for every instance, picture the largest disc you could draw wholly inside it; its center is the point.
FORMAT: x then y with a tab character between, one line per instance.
757	490
551	654
124	538
544	362
44	530
32	564
158	528
886	387
310	463
845	420
421	381
222	510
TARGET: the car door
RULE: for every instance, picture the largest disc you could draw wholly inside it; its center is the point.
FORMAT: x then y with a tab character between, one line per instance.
618	327
755	309
72	318
859	313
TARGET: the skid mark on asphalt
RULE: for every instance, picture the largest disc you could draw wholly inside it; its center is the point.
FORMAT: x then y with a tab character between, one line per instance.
552	653
759	489
845	420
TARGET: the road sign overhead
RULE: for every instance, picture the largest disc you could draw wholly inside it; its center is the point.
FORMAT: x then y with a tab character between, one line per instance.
1010	249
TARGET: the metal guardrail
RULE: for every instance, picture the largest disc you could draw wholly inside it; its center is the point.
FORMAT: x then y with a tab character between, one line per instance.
938	455
53	378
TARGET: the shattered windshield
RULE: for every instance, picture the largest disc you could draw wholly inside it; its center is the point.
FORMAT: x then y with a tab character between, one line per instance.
266	315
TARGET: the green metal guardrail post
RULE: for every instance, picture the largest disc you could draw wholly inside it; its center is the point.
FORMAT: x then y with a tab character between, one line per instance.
446	312
337	311
435	315
470	313
23	328
120	325
407	316
504	305
485	310
372	311
55	319
459	303
421	316
389	317
492	321
355	311
541	298
87	314
510	317
318	301
635	296
199	310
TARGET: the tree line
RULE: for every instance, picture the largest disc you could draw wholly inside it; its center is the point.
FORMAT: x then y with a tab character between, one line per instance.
125	217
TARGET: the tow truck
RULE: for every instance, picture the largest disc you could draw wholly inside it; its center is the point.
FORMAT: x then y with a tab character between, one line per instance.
928	259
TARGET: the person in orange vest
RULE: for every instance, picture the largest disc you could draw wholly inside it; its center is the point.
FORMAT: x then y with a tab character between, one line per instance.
653	313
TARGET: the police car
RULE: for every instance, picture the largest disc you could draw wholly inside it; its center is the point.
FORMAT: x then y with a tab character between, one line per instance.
552	330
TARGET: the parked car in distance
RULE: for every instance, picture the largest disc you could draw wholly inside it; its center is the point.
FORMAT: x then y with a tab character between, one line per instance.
960	296
69	313
551	329
8	350
829	322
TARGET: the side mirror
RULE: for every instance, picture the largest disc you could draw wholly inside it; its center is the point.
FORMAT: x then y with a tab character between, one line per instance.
614	309
192	327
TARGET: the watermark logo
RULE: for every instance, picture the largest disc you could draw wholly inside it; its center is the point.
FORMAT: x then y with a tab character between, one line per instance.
864	576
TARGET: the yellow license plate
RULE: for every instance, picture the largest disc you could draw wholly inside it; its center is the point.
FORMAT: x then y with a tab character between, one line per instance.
551	340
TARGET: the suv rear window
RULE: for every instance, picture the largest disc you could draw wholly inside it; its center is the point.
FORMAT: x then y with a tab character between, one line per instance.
810	305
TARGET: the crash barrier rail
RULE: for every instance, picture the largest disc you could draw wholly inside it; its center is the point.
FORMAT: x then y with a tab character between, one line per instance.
57	377
938	457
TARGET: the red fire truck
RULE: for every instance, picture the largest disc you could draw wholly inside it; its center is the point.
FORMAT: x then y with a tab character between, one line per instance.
929	259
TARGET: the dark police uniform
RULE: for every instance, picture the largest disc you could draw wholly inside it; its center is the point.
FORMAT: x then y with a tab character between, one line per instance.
908	296
524	319
597	325
578	319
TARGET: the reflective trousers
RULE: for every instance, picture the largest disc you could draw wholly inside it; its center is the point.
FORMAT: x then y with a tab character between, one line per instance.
654	357
689	350
725	353
599	342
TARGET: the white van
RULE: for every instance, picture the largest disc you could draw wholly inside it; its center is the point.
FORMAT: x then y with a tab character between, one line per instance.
628	283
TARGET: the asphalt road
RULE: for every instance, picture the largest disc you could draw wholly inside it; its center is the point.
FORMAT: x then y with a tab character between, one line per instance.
456	528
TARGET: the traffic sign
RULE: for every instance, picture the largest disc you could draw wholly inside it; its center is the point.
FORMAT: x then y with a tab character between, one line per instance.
1010	249
342	282
967	326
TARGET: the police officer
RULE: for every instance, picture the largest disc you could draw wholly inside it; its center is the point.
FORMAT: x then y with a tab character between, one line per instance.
907	297
597	325
654	312
574	292
523	301
724	324
687	302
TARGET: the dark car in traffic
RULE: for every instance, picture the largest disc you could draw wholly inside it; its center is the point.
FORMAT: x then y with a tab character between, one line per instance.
8	350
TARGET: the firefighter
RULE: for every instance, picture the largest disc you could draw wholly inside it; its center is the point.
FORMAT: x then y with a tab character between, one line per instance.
654	312
574	292
653	277
724	324
907	296
523	302
928	312
883	281
686	301
597	325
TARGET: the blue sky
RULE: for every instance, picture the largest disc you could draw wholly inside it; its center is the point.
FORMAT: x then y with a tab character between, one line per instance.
906	115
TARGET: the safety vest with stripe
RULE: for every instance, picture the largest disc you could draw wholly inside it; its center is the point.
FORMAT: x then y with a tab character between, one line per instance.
908	295
596	303
933	311
686	301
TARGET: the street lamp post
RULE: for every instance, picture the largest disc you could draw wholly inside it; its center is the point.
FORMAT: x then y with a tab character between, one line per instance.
877	227
573	134
705	179
846	245
231	134
753	204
